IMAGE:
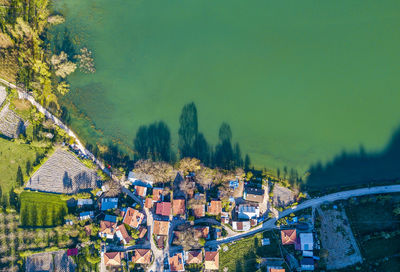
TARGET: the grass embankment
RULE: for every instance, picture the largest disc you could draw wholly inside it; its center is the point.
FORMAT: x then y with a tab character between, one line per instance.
14	154
376	228
42	209
243	255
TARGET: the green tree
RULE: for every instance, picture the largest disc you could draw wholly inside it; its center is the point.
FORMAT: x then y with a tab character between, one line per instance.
20	177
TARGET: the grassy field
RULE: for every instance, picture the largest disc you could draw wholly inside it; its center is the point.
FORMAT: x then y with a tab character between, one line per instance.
375	227
42	209
243	255
12	155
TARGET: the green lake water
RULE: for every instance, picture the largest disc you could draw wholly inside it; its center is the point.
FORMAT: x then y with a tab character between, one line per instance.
298	81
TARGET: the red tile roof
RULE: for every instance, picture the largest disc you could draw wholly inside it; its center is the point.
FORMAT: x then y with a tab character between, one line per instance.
288	236
163	208
125	236
107	227
178	207
140	190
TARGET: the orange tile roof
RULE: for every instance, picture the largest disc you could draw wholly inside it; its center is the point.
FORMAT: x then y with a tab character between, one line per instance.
176	262
141	190
276	270
194	257
142	256
178	207
288	236
161	227
148	203
215	207
107	227
113	258
133	218
199	210
157	194
211	260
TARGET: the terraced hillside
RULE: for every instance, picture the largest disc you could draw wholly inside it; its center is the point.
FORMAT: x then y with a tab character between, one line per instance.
11	125
63	173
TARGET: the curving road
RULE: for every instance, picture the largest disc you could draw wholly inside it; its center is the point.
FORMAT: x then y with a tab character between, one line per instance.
270	224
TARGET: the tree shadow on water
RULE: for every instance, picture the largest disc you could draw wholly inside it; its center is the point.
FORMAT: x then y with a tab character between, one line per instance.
360	167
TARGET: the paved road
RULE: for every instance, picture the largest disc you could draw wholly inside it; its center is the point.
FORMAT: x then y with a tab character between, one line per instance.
270	224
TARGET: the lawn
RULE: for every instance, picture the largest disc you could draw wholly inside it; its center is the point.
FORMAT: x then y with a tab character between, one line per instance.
42	209
243	255
12	155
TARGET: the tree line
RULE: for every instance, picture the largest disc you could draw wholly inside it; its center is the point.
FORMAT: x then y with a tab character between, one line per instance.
154	142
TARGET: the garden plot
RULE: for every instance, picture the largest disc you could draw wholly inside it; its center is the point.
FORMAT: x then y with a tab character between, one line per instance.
63	173
50	261
337	238
11	125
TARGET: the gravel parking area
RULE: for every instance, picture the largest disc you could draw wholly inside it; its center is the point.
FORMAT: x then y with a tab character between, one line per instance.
338	239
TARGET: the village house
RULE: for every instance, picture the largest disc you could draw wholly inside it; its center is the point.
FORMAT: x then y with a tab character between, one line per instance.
161	227
253	194
148	203
140	179
199	210
86	215
142	256
109	203
306	241
225	218
163	208
241	225
214	207
142	232
202	232
247	211
157	194
178	207
176	262
123	235
113	258
211	260
107	229
133	218
288	236
276	269
140	191
194	257
84	202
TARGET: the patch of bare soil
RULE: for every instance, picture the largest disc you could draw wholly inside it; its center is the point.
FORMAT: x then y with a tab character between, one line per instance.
338	239
21	104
